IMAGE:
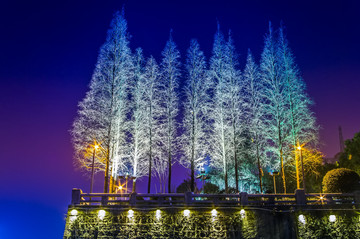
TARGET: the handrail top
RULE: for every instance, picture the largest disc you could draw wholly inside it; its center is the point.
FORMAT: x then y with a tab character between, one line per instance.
209	195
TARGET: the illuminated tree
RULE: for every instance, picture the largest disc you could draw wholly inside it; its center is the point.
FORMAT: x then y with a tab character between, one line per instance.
254	109
304	129
196	107
235	103
137	137
151	104
102	113
226	107
169	99
276	98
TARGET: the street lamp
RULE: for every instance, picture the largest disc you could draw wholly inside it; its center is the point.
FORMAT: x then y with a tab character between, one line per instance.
274	174
302	166
96	146
202	176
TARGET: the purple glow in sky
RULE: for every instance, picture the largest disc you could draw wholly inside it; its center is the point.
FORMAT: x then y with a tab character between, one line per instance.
49	48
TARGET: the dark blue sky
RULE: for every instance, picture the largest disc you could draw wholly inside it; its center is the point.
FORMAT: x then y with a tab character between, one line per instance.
48	50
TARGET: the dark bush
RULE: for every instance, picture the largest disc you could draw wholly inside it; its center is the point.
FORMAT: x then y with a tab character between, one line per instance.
210	188
341	180
186	187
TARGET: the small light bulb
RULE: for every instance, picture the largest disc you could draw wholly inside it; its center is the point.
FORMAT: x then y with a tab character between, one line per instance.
73	215
74	212
242	213
120	187
158	214
186	213
130	213
214	213
101	214
332	218
302	219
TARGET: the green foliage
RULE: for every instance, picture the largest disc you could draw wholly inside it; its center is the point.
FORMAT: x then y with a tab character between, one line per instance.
171	224
230	191
319	226
211	188
350	158
341	180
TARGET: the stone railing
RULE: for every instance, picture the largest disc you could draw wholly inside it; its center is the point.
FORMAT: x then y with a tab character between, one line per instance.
190	199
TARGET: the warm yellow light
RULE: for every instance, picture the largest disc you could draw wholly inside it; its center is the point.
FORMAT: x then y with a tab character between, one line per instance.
321	197
101	214
186	213
299	148
332	218
120	187
96	146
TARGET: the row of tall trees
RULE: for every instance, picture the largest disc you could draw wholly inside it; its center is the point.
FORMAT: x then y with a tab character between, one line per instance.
237	122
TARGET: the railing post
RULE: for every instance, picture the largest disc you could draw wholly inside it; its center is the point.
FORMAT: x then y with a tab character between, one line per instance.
132	199
104	200
76	196
357	197
188	198
244	198
160	200
300	197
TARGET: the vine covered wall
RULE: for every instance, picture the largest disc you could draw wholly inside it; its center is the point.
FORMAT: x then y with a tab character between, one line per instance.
112	222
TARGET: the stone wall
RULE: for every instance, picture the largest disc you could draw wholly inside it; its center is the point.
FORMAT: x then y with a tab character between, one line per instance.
114	222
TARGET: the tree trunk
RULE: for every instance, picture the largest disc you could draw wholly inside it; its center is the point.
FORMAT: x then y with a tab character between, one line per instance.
259	166
226	182
111	184
149	181
192	182
236	161
134	185
106	181
192	176
169	182
150	149
282	170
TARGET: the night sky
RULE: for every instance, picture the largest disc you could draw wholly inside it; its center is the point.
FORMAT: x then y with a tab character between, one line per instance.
48	50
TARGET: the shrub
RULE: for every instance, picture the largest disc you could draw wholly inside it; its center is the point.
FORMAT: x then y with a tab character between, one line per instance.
211	188
186	187
341	180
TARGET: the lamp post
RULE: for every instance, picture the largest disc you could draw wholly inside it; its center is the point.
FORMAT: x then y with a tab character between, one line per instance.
274	174
93	168
302	166
202	176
